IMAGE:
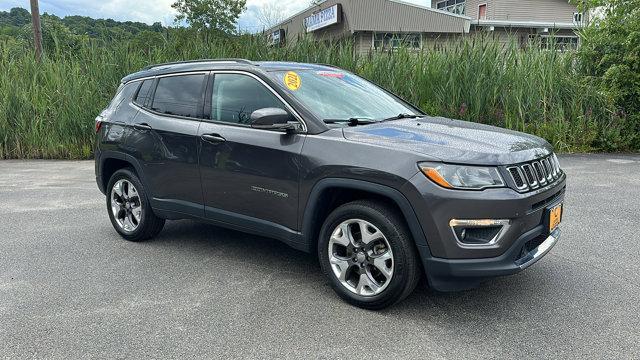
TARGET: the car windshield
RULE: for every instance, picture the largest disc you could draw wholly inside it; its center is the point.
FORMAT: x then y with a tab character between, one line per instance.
336	95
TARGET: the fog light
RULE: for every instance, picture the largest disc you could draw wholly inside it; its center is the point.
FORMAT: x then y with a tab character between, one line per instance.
478	233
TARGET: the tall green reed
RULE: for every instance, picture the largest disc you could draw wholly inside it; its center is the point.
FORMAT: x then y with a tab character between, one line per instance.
47	109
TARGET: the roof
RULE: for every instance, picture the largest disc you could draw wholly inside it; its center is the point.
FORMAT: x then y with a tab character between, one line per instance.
526	24
383	15
431	9
219	64
395	1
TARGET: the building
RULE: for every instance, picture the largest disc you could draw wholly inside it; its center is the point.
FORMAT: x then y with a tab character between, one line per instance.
524	19
385	24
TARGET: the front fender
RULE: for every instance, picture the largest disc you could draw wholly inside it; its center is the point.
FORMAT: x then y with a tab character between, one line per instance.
312	207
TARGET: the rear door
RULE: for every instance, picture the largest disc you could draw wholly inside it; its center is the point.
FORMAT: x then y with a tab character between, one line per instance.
248	175
164	140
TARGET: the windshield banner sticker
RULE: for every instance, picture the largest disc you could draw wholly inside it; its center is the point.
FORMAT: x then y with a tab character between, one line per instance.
292	80
333	74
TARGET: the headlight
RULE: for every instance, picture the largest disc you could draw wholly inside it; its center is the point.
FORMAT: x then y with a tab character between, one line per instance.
462	176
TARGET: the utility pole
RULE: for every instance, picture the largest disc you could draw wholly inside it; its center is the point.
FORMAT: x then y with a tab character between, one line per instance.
37	29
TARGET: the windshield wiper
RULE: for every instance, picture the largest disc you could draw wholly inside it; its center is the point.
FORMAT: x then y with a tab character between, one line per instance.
351	121
355	121
402	116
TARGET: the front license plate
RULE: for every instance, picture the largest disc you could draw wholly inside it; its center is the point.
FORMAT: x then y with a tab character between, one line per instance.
555	216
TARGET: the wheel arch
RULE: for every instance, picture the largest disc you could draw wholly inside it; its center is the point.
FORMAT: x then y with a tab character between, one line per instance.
321	202
110	162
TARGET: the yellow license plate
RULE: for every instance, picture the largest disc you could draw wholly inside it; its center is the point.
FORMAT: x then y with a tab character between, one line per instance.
555	216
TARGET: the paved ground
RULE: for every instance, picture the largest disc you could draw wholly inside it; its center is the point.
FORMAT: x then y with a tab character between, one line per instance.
70	287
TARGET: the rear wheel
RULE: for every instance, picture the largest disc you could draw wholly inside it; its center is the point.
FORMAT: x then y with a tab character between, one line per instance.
129	209
368	254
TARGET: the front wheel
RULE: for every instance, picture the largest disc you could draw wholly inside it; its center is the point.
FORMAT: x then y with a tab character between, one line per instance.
368	254
129	209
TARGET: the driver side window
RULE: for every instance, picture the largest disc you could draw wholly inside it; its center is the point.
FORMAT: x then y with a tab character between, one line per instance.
236	96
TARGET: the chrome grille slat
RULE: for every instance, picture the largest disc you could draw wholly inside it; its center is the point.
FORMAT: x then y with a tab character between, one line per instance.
518	177
548	169
530	174
542	179
556	163
545	174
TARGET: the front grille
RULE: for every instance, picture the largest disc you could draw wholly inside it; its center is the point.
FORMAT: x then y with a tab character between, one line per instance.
535	174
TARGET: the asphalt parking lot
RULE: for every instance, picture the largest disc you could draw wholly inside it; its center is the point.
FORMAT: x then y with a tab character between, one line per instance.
71	288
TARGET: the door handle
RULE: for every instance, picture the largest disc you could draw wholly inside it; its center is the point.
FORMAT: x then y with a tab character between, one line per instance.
213	138
143	126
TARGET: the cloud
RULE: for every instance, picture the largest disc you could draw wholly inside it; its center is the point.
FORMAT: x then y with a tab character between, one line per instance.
150	11
249	20
147	11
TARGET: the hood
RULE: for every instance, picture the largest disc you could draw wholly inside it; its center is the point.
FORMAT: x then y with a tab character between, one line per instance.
453	141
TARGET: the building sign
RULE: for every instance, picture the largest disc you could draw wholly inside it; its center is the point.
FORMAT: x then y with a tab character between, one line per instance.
276	38
324	18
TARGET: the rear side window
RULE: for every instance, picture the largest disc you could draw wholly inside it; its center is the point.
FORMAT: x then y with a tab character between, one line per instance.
180	95
125	93
143	93
236	96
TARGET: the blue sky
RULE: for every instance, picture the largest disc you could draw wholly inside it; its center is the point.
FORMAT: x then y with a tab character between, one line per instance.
150	11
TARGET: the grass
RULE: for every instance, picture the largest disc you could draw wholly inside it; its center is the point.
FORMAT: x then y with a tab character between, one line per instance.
47	109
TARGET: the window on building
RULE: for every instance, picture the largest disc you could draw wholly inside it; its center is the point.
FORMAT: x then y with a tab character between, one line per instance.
236	96
453	6
482	12
577	18
556	42
179	95
386	41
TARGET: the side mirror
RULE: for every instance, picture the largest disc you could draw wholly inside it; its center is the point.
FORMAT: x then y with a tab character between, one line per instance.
272	119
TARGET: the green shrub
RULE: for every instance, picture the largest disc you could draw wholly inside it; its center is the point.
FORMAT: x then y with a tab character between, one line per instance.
610	58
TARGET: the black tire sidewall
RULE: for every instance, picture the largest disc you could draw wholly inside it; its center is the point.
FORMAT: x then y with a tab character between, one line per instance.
394	233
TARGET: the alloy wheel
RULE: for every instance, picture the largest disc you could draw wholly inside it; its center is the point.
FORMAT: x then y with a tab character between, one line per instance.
126	205
360	257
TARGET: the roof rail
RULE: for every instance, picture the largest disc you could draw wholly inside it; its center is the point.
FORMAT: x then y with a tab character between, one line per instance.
328	65
239	61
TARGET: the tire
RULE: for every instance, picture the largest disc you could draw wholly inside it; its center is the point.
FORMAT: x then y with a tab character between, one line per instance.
382	267
129	208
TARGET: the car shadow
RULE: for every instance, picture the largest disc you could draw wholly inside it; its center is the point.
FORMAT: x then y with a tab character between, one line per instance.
494	299
234	245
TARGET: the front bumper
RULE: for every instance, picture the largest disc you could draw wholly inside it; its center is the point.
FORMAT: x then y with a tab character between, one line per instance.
448	264
461	274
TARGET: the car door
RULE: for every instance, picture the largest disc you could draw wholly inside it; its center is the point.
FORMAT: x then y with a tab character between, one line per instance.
164	140
248	175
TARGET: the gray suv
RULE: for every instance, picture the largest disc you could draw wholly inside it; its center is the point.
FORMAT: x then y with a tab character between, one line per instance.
330	164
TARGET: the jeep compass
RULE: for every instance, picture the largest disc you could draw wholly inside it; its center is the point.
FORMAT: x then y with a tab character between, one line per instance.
330	164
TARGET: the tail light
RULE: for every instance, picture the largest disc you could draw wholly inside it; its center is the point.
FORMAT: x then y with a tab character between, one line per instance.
99	120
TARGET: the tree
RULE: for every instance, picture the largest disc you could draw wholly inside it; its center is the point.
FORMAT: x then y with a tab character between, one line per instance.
270	14
610	54
210	14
